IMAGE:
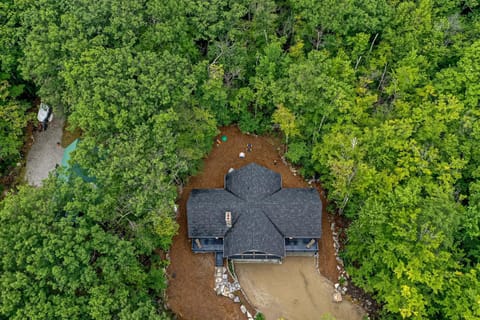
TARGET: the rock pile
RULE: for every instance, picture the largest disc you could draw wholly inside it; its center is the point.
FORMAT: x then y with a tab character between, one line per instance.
245	312
223	286
226	288
341	287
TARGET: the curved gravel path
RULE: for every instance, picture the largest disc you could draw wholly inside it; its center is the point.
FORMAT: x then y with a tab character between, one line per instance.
45	154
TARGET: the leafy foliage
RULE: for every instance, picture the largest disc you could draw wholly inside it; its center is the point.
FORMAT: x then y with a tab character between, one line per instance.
132	94
379	99
58	262
13	120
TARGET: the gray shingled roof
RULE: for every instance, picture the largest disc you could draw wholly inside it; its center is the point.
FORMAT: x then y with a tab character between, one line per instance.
253	232
297	212
253	182
206	212
263	214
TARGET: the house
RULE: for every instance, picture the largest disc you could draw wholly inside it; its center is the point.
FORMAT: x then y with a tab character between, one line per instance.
254	219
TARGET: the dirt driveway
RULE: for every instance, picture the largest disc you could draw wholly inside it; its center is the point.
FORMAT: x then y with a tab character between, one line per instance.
45	153
293	290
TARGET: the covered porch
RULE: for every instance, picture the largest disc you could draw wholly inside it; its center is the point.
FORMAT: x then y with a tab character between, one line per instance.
301	246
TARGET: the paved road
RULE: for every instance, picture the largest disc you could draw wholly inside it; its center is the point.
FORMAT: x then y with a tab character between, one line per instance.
45	153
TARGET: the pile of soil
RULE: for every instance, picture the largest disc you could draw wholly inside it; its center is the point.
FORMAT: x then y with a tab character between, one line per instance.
190	291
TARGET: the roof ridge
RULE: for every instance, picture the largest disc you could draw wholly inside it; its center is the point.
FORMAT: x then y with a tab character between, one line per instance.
271	221
235	195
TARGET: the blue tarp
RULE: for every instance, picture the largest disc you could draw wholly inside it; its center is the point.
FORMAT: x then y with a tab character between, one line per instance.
74	167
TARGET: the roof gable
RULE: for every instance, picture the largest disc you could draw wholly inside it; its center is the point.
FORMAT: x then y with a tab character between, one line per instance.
295	212
206	212
253	232
253	182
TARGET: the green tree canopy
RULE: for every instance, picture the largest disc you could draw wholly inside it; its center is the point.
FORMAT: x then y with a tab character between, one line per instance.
58	262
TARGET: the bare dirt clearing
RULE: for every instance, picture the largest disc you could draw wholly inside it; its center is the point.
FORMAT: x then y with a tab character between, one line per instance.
191	276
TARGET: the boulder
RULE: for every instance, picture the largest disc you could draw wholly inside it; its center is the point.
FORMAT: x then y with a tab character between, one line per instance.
243	309
339	261
337	297
225	291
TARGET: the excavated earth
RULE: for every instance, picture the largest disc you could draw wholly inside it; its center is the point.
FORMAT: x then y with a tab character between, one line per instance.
190	292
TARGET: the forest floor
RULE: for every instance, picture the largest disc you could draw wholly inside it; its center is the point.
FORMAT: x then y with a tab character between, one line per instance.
191	276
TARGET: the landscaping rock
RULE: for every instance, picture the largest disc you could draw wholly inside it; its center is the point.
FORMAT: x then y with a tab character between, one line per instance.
337	297
225	291
243	309
339	261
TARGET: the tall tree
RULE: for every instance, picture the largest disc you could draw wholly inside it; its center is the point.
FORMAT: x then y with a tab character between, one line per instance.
13	120
57	262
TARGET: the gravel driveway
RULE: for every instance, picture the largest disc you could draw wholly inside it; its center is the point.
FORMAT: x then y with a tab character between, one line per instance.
293	290
45	153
